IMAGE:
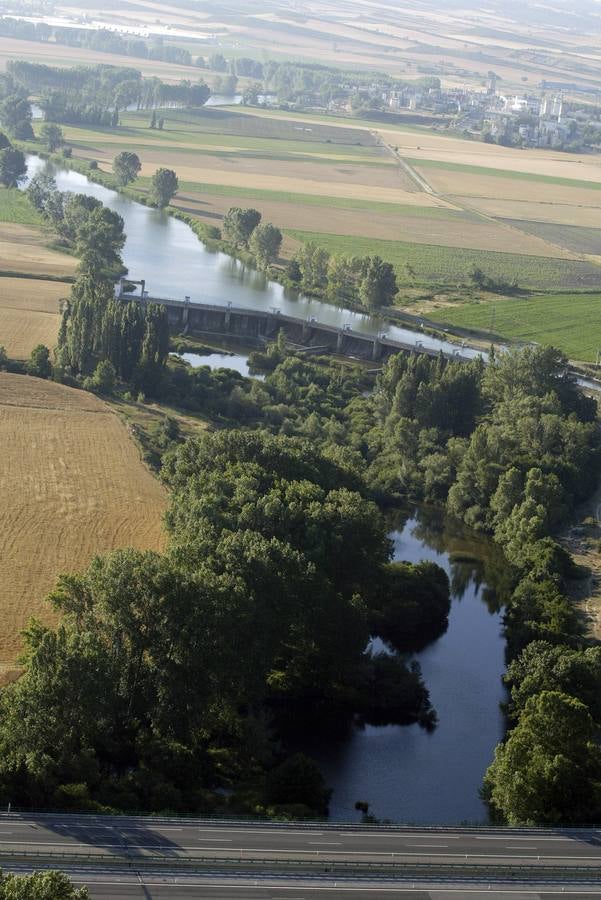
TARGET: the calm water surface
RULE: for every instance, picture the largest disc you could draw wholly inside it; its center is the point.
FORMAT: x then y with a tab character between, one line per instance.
406	773
236	361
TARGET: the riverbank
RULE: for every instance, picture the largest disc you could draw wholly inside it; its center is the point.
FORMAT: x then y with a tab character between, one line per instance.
582	539
211	237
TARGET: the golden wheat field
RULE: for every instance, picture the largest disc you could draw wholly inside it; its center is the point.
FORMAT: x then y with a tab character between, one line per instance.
23	248
29	314
72	485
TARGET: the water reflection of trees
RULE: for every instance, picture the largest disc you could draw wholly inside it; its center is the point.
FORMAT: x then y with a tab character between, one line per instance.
474	560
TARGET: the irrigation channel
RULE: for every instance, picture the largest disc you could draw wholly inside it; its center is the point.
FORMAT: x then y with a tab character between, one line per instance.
406	773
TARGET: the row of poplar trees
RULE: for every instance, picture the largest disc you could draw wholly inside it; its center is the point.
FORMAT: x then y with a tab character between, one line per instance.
96	327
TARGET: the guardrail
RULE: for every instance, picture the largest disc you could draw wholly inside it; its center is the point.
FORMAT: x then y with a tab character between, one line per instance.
218	821
252	865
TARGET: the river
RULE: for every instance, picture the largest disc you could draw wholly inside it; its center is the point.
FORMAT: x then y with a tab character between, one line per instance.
174	263
406	773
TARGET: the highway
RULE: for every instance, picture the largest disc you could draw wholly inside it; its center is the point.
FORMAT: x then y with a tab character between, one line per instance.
169	839
156	859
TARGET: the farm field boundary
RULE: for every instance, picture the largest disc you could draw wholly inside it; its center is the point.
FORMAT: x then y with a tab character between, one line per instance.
435	264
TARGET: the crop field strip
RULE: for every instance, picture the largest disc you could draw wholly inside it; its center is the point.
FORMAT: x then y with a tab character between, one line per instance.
29	301
571	322
451	266
29	314
511	174
576	238
72	485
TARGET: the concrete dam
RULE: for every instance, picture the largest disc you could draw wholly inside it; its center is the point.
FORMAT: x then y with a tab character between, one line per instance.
260	326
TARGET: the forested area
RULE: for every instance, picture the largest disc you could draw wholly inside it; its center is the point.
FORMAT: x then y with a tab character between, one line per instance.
91	95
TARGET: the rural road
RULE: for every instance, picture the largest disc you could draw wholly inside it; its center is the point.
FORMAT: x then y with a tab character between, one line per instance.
156	859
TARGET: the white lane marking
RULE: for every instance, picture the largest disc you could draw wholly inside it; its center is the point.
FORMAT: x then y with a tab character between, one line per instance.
519	847
271	831
399	836
433	846
219	840
532	837
325	843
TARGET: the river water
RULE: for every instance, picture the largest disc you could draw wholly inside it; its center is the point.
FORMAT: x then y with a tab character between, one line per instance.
174	263
408	774
405	773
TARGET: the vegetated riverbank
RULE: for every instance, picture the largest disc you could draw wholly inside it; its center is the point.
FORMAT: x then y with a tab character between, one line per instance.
212	238
405	773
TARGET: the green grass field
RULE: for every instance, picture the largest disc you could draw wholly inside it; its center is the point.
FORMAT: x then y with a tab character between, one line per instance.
15	207
503	173
571	322
452	265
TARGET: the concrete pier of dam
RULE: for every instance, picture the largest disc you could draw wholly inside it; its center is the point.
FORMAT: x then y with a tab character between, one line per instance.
261	326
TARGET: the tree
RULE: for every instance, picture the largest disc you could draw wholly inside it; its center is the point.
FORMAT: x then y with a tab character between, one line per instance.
40	886
39	363
547	667
52	136
297	781
549	769
153	120
265	243
15	115
13	167
4	141
103	380
313	263
239	224
163	187
413	605
126	166
378	284
343	273
218	62
99	239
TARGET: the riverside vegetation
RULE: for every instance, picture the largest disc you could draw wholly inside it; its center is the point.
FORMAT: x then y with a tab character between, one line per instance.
173	675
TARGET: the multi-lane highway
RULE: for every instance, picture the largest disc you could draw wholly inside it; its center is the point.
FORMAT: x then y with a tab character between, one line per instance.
130	857
172	839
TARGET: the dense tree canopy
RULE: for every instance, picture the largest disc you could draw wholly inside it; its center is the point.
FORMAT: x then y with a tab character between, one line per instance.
40	886
13	167
549	770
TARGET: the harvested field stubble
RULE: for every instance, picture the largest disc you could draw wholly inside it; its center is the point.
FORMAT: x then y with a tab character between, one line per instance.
72	485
